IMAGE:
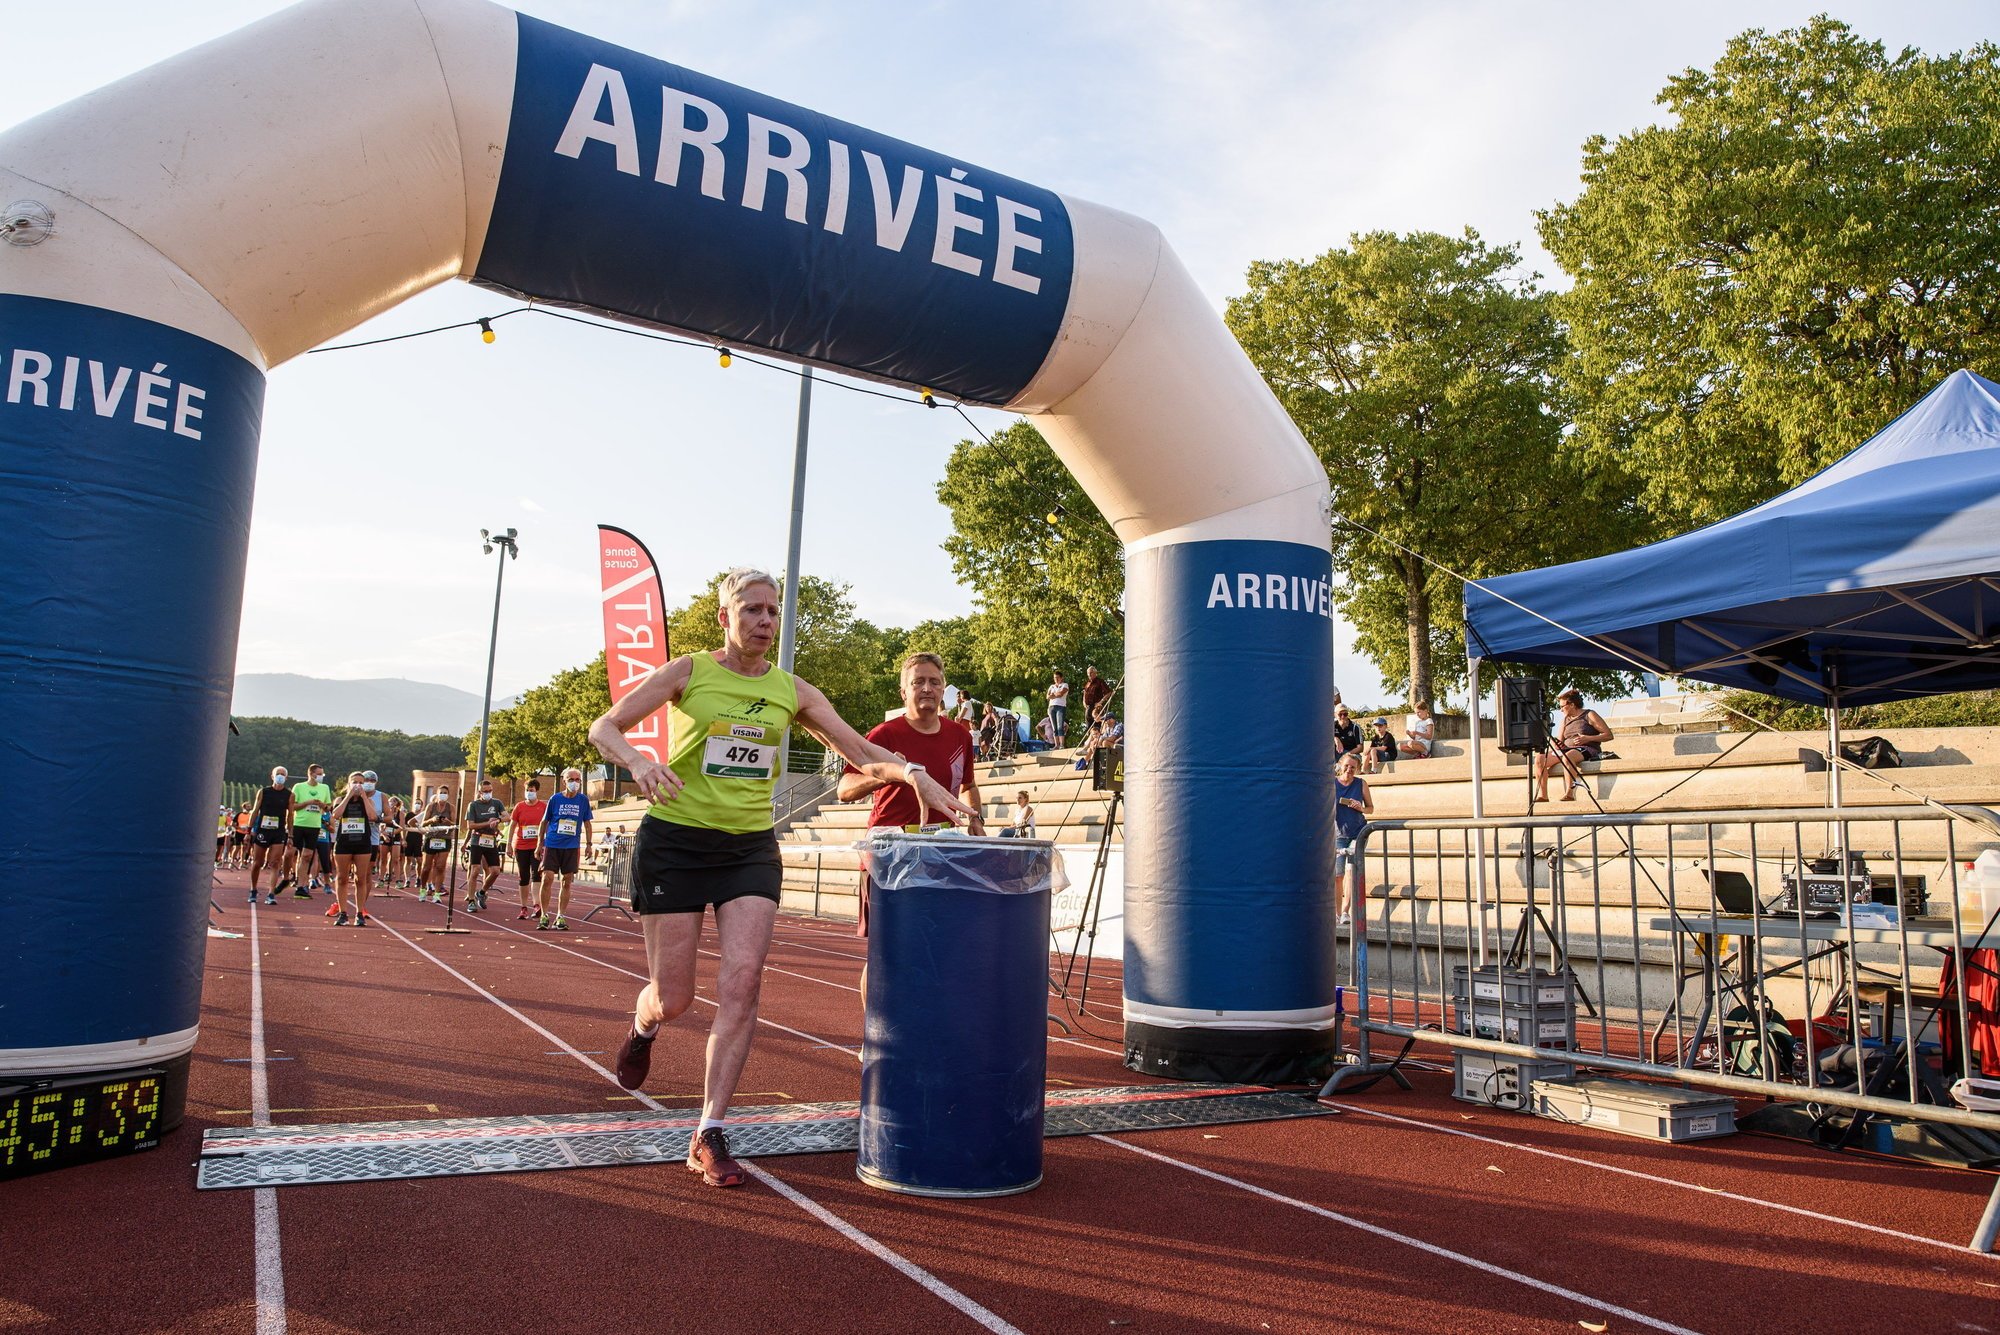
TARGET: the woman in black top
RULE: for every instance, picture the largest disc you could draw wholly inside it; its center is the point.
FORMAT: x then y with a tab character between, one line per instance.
1346	733
353	852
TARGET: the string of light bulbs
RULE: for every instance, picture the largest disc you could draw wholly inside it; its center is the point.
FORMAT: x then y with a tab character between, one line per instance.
725	356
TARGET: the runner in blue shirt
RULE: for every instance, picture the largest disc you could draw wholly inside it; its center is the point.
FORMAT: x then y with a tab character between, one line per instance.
565	834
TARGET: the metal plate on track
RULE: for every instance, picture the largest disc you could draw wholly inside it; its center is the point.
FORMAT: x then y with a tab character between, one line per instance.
470	1146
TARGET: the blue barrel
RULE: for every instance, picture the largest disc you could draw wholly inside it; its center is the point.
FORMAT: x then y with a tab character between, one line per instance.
954	1058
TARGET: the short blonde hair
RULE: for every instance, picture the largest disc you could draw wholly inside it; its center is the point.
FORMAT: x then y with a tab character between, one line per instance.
739	579
922	656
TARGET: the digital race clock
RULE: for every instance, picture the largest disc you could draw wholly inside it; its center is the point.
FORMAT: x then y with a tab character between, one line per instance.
61	1120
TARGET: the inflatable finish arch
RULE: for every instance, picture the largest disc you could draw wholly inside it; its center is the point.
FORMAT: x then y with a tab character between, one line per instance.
233	206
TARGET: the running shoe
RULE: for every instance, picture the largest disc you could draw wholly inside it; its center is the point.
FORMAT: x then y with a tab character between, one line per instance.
302	893
271	898
526	914
635	1058
482	901
562	924
708	1154
333	909
253	896
544	923
284	881
341	921
361	920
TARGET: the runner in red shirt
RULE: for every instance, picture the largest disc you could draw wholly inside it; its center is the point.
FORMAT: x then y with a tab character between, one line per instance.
527	822
928	740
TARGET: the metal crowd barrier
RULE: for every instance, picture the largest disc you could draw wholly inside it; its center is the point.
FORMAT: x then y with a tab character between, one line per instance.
1707	948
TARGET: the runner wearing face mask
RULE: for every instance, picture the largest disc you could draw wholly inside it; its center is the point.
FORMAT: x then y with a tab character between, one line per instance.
482	828
527	823
565	833
438	827
389	852
310	801
353	826
272	818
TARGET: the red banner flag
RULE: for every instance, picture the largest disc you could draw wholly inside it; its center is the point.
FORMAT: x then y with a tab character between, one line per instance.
635	628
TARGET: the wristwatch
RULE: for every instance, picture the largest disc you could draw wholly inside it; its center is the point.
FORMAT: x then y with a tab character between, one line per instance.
910	768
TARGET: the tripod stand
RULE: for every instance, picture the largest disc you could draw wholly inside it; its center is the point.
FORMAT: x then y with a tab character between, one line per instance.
1521	949
1092	906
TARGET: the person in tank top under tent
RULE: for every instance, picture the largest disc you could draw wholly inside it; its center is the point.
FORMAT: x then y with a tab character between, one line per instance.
353	817
269	829
565	833
1580	736
707	837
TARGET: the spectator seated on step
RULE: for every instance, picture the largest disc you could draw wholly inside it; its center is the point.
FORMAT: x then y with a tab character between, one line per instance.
1420	730
1378	748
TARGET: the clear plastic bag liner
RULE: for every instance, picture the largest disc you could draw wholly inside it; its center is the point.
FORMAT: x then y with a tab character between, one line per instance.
963	862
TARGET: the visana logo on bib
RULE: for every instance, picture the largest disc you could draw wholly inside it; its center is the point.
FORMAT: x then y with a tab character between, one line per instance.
744	730
1272	593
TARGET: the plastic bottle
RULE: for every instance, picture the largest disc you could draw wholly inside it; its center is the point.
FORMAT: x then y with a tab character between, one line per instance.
1979	889
1988	871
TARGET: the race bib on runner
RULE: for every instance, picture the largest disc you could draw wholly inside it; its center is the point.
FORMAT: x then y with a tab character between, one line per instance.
437	845
353	825
482	841
270	822
565	826
730	755
529	833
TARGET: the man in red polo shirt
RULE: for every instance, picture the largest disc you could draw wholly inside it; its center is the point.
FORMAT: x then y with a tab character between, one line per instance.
929	741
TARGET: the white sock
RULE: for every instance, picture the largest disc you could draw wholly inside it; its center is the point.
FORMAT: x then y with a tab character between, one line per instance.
708	1122
647	1033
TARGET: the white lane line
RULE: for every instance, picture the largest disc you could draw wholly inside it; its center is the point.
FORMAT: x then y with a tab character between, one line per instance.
813	1039
901	1264
1801	1211
270	1261
1595	1305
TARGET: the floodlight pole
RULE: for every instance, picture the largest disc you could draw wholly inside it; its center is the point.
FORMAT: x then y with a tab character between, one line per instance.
1472	666
788	630
509	549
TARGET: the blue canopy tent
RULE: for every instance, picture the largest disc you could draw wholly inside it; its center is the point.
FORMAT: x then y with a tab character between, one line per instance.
1878	579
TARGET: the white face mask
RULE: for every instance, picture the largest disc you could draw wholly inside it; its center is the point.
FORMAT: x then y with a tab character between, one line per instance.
573	786
367	787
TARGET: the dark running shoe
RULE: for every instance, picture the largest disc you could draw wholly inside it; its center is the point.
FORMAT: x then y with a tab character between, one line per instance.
708	1154
361	920
341	921
635	1058
271	898
300	892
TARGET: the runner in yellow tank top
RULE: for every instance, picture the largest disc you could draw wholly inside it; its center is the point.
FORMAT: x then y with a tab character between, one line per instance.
707	838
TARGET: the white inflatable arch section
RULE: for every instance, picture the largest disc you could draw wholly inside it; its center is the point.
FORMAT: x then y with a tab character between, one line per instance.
234	206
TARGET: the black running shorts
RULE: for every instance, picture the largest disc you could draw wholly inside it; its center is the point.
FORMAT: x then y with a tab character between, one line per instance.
485	850
684	868
267	838
561	861
303	837
528	864
413	845
353	845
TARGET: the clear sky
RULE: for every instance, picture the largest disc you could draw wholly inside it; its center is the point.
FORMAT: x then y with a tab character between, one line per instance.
1246	130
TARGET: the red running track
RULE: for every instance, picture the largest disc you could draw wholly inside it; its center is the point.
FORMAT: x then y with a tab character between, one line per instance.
1409	1213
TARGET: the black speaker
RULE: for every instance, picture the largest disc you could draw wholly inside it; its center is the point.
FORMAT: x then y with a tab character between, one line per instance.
1524	715
1107	769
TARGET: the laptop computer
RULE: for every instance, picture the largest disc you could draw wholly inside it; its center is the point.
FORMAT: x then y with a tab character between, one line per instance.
1733	891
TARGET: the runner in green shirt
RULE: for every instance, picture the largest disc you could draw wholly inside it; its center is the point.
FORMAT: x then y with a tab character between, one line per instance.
310	801
707	839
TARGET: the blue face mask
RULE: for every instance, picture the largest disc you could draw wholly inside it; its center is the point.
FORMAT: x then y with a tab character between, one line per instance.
279	780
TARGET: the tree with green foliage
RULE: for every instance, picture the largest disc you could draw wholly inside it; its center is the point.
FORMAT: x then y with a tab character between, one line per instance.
261	743
1804	249
1420	368
848	658
1047	574
548	728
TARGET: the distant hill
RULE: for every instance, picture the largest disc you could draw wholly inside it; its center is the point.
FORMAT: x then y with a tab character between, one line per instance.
389	703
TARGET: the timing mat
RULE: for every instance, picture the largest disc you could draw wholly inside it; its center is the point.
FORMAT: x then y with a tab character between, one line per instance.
278	1156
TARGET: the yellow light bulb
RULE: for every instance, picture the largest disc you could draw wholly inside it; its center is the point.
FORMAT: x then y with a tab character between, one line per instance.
725	359
929	401
485	330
